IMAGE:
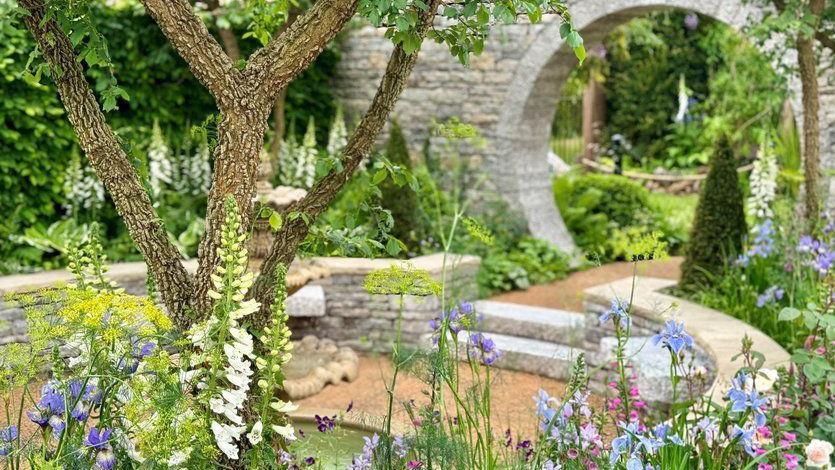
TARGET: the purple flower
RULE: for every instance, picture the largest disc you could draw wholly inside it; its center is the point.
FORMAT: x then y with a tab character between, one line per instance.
325	423
98	439
673	337
400	446
770	296
710	429
105	459
485	348
619	311
7	436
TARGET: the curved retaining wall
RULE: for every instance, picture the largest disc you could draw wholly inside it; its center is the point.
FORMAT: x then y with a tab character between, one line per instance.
717	334
335	307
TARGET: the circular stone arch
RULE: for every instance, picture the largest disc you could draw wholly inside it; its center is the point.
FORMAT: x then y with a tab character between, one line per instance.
523	130
510	94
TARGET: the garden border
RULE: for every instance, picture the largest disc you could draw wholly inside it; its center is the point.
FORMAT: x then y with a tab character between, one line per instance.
719	334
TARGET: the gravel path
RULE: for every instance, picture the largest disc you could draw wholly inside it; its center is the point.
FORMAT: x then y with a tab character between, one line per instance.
567	293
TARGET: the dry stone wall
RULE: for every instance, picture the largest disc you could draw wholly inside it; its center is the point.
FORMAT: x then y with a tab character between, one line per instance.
510	93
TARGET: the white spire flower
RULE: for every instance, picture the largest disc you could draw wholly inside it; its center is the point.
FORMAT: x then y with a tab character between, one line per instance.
160	169
338	134
82	187
306	157
225	435
195	169
763	183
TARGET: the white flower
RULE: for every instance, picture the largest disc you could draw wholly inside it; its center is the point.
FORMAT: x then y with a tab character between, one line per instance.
238	378
179	457
338	135
224	437
818	454
287	431
245	308
765	379
763	183
234	397
254	435
284	406
160	169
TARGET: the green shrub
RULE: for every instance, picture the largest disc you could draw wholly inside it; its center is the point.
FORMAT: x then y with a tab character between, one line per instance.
719	226
605	212
400	199
530	261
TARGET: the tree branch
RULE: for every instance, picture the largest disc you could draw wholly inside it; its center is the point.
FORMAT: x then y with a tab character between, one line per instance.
110	162
825	40
288	238
274	66
192	41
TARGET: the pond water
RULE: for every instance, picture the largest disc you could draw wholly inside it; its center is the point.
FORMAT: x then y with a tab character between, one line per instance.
334	449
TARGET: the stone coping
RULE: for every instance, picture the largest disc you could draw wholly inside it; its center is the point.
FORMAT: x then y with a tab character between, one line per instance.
137	270
433	263
719	334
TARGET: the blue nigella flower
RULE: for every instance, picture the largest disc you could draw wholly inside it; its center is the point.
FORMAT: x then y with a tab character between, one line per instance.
673	337
485	348
745	437
7	437
742	400
618	311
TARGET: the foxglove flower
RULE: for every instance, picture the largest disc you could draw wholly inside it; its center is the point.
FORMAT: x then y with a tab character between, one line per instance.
763	184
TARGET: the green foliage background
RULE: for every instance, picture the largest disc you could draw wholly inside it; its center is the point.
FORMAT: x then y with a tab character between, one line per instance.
37	141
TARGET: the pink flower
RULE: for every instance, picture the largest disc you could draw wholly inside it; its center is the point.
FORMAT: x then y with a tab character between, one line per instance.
639	404
590	465
765	466
413	464
634	391
791	461
572	454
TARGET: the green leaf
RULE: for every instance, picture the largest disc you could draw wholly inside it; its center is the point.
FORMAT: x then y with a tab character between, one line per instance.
393	246
276	221
788	314
379	176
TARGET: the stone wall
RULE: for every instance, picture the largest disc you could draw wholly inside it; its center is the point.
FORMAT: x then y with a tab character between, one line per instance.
355	318
336	307
510	93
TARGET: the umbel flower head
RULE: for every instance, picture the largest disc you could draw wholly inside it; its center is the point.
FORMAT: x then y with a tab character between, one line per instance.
401	279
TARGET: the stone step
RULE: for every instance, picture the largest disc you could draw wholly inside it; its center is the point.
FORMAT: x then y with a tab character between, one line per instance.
524	321
529	355
309	301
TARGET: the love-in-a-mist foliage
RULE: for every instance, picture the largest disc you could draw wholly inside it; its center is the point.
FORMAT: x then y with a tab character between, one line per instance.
125	390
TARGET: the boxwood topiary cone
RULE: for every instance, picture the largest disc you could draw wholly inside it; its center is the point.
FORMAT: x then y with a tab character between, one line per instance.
719	226
402	201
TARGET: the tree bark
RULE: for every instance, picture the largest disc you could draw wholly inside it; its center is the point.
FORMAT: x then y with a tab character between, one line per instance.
811	124
227	36
274	66
110	162
204	56
293	232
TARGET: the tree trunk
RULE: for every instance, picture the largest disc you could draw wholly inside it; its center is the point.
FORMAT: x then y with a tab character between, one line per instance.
278	124
811	124
110	161
293	232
